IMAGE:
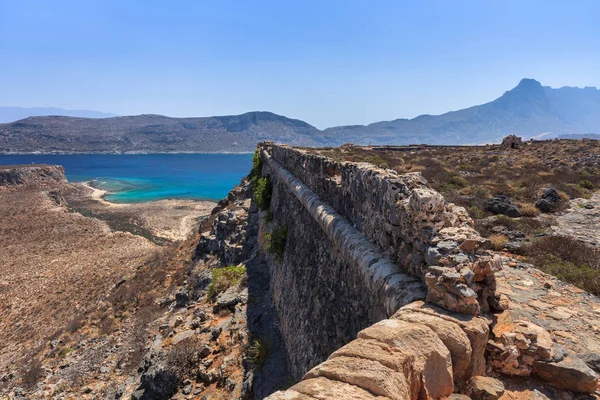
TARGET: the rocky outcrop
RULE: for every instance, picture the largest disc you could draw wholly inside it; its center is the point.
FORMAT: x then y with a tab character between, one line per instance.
503	205
422	352
31	174
549	200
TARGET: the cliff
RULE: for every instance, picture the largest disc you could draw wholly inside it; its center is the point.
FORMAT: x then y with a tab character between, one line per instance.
31	174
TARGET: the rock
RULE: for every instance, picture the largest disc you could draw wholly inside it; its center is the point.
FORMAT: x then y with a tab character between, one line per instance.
181	298
323	388
157	382
432	358
137	395
231	297
502	205
456	396
549	201
484	388
592	360
476	329
364	373
187	389
570	374
451	335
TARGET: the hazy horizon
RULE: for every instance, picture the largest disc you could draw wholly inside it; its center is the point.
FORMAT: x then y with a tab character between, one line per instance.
338	63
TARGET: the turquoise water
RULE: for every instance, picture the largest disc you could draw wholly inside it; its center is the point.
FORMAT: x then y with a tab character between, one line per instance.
136	178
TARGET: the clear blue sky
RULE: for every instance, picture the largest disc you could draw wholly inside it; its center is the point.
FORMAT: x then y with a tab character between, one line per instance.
325	62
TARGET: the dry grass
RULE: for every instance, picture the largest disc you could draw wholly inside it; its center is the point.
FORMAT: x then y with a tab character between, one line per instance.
498	241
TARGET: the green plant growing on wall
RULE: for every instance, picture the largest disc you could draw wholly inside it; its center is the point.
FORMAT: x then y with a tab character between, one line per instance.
222	279
256	165
258	352
277	241
262	189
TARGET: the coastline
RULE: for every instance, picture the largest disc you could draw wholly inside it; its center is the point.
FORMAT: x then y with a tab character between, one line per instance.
170	219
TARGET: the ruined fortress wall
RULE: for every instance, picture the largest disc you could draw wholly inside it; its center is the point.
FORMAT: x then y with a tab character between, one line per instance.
411	223
323	287
357	249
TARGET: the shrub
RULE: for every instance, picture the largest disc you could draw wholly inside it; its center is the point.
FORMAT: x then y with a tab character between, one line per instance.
507	222
587	184
458	181
256	165
32	372
498	241
568	260
528	209
475	212
258	352
224	278
277	243
481	192
184	360
262	189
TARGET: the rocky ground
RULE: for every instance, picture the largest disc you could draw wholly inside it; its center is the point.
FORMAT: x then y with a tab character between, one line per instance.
581	220
84	284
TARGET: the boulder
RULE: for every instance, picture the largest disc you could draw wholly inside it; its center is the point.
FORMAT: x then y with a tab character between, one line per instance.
571	374
230	298
366	374
432	359
157	383
451	335
549	200
476	329
484	388
500	204
323	388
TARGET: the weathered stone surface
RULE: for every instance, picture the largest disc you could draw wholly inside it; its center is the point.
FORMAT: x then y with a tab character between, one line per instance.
476	329
570	373
366	374
432	358
398	213
453	337
323	389
503	205
231	297
484	388
549	200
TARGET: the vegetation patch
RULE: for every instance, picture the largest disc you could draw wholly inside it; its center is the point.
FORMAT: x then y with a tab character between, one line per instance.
498	241
258	353
277	241
568	260
262	188
224	278
184	360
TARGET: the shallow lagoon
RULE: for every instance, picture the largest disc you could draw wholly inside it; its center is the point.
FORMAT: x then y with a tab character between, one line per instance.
132	178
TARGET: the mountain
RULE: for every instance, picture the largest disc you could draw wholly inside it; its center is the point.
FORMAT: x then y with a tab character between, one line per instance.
9	114
528	110
152	134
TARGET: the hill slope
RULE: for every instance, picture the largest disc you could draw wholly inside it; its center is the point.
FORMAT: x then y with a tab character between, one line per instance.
153	134
10	114
529	110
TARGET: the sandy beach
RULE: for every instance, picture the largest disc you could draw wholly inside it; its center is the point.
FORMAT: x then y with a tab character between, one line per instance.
171	219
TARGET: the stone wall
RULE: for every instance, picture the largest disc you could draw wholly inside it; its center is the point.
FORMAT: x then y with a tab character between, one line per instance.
411	223
361	243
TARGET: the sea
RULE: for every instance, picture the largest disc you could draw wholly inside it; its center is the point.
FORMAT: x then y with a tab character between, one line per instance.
135	178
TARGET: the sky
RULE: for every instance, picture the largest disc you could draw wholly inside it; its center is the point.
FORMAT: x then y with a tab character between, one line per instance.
327	62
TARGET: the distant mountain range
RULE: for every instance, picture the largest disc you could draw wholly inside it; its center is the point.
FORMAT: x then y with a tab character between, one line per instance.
528	110
10	114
